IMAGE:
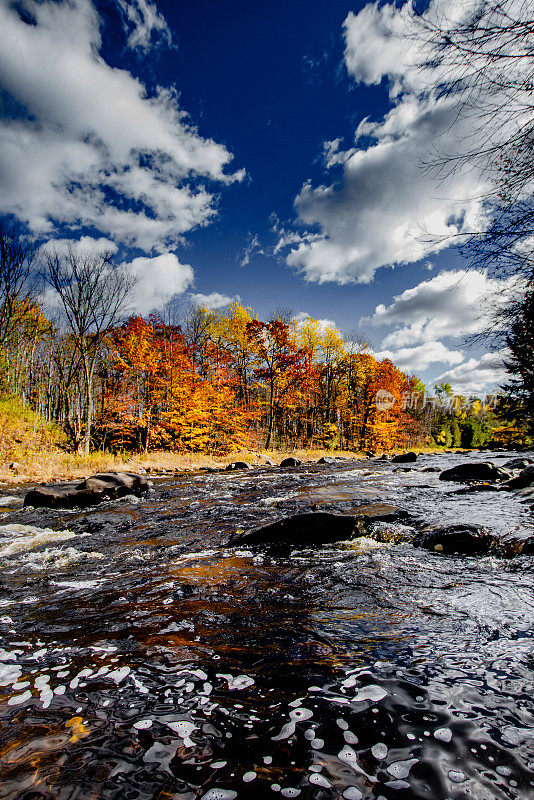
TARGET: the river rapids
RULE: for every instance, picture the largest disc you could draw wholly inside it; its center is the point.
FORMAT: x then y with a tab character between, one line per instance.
142	658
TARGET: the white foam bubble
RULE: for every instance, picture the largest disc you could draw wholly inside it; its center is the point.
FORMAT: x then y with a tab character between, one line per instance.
443	734
456	776
143	724
401	769
287	730
249	776
319	780
379	751
352	793
372	692
219	794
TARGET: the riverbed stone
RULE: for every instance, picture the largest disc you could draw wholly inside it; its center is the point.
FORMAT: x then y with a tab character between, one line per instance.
404	458
476	471
93	490
523	480
238	465
517	463
290	461
301	529
516	543
327	460
459	538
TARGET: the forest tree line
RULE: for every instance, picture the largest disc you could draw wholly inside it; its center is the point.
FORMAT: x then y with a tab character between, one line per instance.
220	380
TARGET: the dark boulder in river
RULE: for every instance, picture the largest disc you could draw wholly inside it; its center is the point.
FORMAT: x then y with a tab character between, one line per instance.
302	529
475	471
523	480
460	538
517	463
93	490
404	458
290	462
318	527
238	465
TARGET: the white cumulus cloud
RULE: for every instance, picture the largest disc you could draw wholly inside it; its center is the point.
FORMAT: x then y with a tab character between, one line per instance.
454	303
213	299
477	375
157	281
85	143
379	206
419	358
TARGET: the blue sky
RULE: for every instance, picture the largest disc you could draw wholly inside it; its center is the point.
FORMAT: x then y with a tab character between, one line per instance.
267	151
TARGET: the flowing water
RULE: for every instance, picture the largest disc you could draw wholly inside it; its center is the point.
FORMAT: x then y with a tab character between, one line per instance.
141	658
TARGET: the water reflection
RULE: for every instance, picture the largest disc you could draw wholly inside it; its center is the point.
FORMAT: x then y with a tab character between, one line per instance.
169	667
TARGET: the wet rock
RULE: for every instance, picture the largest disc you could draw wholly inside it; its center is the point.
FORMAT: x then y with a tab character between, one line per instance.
390	533
523	480
475	471
96	489
290	462
431	469
516	543
327	460
302	529
404	458
460	538
517	463
238	465
379	512
479	487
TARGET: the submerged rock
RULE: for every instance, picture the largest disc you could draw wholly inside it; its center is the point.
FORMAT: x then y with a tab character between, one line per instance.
290	462
327	460
96	489
478	487
475	471
460	538
404	458
431	469
238	465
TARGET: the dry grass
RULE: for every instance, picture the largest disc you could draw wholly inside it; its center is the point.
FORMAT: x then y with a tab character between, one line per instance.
54	464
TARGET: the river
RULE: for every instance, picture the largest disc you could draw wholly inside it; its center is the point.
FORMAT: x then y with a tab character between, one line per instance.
142	658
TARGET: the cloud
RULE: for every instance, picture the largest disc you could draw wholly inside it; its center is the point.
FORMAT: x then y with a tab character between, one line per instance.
144	24
417	359
213	300
81	246
88	145
253	246
477	375
452	304
324	324
158	280
379	206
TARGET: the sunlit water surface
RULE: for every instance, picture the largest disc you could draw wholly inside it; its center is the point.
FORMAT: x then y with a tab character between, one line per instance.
140	658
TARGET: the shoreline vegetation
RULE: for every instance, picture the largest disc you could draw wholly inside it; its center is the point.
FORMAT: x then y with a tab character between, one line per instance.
48	467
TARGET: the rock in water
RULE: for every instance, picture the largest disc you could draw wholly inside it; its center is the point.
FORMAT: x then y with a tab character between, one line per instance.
404	458
290	462
327	460
302	529
93	490
465	539
517	463
475	471
238	465
523	480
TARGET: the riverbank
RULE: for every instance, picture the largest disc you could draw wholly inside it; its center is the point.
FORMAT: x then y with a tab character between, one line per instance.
58	465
